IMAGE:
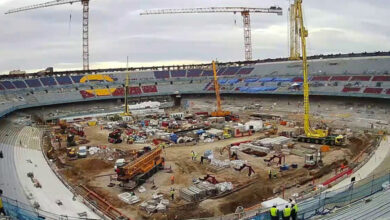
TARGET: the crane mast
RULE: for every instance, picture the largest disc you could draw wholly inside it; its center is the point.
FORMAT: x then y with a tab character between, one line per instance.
245	13
219	112
318	133
85	22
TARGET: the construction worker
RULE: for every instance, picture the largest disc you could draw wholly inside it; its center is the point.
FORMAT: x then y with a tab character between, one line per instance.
270	174
294	211
192	155
274	212
286	213
2	212
172	193
195	155
172	179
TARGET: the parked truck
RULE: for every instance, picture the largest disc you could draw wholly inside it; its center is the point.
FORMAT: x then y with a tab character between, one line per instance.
137	172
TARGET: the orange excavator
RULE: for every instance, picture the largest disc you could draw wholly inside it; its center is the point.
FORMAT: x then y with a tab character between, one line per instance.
133	174
220	113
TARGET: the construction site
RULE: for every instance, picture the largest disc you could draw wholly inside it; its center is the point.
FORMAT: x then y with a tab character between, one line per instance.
215	140
205	156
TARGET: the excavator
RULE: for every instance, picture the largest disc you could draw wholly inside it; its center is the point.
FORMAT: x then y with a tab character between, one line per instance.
317	136
231	152
133	174
220	113
115	136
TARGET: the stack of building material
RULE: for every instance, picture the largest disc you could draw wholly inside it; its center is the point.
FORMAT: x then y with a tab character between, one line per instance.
238	163
271	142
220	163
255	147
201	190
128	198
225	186
157	203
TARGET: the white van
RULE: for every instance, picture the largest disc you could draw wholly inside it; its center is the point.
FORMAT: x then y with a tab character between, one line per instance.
82	153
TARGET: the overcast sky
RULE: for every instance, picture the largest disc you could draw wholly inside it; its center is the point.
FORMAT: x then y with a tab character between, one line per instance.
46	37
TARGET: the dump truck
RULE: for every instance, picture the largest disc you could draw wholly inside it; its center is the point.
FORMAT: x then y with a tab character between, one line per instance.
137	172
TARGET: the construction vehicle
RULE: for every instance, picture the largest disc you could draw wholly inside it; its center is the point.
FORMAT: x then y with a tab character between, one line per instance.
281	157
115	136
317	136
210	179
220	113
227	133
133	174
70	140
232	151
313	160
75	131
250	169
72	152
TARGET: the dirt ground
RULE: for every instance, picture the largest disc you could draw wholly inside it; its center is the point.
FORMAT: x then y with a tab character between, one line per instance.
93	171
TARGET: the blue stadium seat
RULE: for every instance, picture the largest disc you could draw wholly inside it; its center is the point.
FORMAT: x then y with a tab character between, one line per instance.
178	73
33	83
48	81
76	79
19	84
231	71
221	71
194	73
7	84
245	71
63	80
208	73
161	74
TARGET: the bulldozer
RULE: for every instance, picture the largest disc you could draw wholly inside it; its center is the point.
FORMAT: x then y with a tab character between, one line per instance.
115	136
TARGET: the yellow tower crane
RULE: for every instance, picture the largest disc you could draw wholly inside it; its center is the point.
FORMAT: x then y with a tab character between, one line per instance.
318	136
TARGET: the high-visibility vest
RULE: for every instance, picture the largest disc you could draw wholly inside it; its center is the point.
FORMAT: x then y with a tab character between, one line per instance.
192	154
1	203
295	208
172	192
287	212
274	211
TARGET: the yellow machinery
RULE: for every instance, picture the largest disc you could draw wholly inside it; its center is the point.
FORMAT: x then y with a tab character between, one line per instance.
219	112
136	173
318	136
126	111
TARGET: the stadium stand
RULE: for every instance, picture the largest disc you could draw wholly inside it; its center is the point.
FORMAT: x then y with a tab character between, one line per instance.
101	92
178	73
360	78
340	78
64	80
33	83
194	73
245	71
298	79
19	84
149	89
161	74
7	85
320	78
351	89
373	90
119	92
207	73
220	71
381	78
231	71
48	81
77	78
86	94
137	90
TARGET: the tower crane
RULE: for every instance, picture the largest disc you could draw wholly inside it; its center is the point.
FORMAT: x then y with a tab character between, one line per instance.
294	32
85	4
318	136
245	12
